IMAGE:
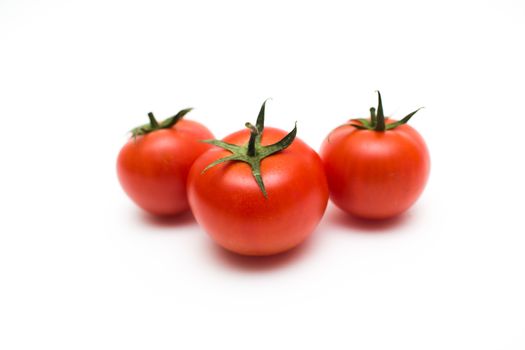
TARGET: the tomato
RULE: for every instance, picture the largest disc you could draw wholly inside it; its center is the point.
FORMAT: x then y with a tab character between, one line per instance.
153	165
259	192
376	168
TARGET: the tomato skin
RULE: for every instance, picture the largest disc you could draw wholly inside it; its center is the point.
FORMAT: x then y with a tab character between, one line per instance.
375	175
227	202
153	169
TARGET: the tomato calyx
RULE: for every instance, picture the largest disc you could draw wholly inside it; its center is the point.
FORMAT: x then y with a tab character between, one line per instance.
253	152
154	125
377	120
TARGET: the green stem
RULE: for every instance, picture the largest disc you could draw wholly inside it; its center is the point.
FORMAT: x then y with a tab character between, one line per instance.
153	122
373	117
254	132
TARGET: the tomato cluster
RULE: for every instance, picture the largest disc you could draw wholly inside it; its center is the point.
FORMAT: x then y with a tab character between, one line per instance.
262	191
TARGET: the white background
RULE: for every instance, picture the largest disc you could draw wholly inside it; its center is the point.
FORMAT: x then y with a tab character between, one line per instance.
82	268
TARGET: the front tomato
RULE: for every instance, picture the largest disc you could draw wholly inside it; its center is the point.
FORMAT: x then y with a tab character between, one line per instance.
376	168
153	165
259	192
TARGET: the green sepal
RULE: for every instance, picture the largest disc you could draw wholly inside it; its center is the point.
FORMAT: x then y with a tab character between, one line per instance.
222	160
153	125
256	172
402	121
284	143
360	127
377	122
380	117
169	122
227	146
366	124
259	124
253	152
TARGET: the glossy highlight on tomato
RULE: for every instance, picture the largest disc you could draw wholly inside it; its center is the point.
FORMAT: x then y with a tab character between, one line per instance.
376	168
153	165
260	204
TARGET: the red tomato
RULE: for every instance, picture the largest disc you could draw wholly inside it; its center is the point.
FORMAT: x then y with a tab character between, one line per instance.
375	174
153	166
232	207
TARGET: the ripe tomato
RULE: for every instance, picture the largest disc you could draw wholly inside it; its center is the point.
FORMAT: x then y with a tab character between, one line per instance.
376	168
153	165
258	193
